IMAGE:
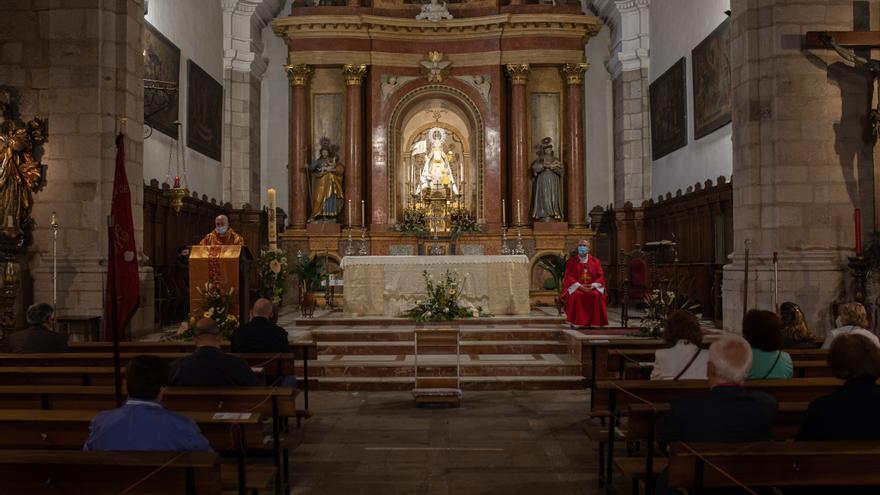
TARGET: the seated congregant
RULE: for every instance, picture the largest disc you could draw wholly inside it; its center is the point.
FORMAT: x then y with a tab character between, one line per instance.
583	289
763	330
143	423
683	358
39	337
851	412
795	333
853	319
728	412
222	235
209	366
260	334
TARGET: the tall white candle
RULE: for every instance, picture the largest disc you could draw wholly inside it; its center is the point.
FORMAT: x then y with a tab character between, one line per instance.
503	213
349	213
363	223
518	216
273	233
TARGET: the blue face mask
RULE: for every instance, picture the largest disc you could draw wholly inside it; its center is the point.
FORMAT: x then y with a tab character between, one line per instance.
222	230
583	250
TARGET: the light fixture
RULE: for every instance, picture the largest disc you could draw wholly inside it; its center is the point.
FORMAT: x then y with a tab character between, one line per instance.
178	189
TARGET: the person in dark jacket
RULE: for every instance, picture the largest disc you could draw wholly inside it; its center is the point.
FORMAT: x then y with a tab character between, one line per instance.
728	412
39	337
260	335
851	412
209	366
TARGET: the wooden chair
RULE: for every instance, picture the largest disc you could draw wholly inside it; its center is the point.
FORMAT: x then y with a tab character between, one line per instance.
636	275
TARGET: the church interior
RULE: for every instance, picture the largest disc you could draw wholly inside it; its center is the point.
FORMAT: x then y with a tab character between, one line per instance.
439	246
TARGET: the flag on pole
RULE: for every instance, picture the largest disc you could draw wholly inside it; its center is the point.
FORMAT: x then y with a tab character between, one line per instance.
123	287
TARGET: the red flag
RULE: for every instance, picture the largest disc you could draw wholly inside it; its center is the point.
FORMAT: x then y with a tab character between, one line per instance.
123	287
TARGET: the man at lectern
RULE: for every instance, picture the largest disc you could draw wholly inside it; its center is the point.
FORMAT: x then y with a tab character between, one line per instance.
222	235
583	289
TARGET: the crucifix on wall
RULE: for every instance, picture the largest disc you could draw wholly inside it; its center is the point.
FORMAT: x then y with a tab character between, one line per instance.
854	47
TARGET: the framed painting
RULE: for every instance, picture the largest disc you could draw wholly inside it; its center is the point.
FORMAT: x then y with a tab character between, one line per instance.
204	112
161	81
711	70
669	111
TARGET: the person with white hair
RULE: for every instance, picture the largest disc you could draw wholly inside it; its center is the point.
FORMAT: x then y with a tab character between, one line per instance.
222	235
728	412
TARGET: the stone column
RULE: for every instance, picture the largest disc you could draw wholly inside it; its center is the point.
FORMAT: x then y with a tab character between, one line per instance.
800	162
519	152
299	75
574	142
354	77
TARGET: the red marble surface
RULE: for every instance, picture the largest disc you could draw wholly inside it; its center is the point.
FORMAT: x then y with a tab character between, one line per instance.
519	154
354	162
299	156
574	153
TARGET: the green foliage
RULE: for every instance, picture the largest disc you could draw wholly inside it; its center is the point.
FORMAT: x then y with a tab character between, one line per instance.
555	265
661	303
414	222
215	304
272	270
442	303
309	273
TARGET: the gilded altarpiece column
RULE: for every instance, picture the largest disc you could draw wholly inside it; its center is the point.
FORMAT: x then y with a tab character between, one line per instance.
299	75
573	154
519	152
354	77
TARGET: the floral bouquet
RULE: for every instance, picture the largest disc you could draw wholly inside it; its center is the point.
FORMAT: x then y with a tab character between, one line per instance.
463	222
272	270
414	221
215	304
442	302
660	304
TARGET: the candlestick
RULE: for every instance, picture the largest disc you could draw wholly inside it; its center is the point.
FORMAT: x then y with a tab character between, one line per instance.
176	181
363	223
503	213
518	213
349	213
858	221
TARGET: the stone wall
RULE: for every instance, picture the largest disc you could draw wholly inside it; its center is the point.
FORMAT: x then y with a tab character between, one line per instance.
801	159
632	137
241	137
79	64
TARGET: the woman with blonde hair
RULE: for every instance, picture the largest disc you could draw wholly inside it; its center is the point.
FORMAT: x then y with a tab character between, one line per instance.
795	333
853	319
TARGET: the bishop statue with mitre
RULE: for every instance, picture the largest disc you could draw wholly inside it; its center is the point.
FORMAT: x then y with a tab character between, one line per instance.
222	235
583	289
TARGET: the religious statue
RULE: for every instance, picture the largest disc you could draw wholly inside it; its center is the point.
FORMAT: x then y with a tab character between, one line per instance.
20	168
437	171
871	65
434	11
326	172
546	195
222	235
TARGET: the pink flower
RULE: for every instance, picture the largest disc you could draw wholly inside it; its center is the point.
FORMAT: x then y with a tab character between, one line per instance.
275	266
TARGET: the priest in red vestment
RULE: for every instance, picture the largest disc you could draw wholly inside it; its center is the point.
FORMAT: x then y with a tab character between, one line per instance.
222	235
583	289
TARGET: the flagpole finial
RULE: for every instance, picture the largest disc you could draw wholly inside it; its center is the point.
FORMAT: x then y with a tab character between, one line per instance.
120	124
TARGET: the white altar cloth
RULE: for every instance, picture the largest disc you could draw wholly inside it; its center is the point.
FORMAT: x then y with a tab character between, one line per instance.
390	285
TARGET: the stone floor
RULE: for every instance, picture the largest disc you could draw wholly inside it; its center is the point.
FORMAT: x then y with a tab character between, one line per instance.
500	442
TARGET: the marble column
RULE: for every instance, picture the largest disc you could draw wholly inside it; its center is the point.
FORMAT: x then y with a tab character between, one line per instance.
573	154
299	75
354	77
519	154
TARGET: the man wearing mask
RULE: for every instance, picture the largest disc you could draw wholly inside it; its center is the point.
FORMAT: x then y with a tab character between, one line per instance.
222	235
583	289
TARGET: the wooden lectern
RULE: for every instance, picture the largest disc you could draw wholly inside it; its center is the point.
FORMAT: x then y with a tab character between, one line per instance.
224	266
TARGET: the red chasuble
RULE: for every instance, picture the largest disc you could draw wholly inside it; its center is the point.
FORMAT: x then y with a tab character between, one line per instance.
585	306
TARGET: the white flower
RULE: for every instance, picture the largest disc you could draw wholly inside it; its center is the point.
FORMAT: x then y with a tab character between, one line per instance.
275	266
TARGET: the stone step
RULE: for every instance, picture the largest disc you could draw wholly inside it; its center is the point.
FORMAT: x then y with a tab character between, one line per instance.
467	347
550	332
392	366
467	383
390	321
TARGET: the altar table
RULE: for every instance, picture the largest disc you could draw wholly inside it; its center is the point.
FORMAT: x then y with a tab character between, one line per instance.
390	285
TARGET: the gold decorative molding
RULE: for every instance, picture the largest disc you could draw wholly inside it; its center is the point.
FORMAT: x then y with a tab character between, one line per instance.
298	74
435	66
518	73
574	73
354	74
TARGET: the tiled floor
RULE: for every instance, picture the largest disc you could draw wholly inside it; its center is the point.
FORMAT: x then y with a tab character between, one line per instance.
506	442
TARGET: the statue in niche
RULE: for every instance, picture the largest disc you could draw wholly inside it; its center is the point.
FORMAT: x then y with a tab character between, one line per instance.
326	173
547	192
20	167
437	170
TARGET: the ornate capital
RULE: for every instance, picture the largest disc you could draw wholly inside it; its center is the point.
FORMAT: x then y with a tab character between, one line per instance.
354	74
574	73
298	74
518	73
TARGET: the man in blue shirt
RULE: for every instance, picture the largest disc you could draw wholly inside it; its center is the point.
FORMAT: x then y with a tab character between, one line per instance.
143	423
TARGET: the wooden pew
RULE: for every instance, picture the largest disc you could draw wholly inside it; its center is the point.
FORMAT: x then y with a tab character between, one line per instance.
616	396
802	369
594	356
99	473
277	402
765	464
68	430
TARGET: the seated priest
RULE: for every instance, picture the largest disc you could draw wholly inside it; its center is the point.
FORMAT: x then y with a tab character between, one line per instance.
222	235
583	289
